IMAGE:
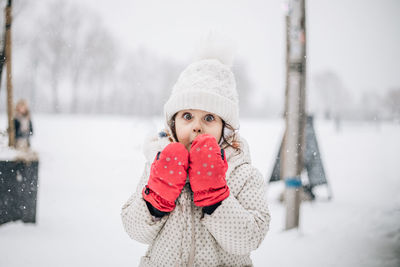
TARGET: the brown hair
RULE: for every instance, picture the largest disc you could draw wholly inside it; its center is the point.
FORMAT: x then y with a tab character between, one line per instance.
230	140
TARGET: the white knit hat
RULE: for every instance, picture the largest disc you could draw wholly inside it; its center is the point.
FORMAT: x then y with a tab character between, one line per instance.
207	85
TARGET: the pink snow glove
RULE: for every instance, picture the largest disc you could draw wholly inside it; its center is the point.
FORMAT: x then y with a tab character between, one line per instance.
167	177
207	168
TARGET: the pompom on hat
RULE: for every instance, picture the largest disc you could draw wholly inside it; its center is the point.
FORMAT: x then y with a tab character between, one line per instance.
207	84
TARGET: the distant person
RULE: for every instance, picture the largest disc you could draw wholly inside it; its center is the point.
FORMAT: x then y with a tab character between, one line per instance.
23	125
200	201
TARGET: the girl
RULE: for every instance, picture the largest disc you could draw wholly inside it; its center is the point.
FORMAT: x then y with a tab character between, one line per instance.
200	202
23	125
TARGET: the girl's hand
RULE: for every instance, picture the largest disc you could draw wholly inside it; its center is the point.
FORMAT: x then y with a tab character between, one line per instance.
167	177
207	168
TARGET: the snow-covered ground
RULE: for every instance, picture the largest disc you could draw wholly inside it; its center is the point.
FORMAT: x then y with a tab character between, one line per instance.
89	166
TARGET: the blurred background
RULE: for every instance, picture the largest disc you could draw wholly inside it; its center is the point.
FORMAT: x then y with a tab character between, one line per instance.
123	57
97	73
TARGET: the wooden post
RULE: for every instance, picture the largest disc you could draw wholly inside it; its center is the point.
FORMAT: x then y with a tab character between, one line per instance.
10	104
293	145
2	56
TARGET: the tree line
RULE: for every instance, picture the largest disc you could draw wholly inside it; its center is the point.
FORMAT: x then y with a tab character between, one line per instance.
65	60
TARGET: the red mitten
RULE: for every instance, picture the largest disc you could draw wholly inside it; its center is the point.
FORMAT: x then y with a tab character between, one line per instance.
207	170
167	177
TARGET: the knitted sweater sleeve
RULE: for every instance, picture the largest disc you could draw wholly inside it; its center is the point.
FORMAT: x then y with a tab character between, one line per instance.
136	218
241	222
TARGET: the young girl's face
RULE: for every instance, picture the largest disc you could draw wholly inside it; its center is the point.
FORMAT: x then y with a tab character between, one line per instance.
190	123
21	109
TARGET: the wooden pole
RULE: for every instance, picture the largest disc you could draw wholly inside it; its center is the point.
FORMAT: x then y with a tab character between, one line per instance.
10	105
2	56
293	145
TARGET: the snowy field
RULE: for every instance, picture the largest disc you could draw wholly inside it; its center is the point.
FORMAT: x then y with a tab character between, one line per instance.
89	166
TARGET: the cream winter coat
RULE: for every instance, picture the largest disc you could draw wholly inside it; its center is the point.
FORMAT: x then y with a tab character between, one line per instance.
187	237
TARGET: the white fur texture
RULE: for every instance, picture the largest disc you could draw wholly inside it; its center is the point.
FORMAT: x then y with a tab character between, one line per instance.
216	46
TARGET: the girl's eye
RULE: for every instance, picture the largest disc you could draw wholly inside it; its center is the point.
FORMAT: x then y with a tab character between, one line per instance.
187	116
209	118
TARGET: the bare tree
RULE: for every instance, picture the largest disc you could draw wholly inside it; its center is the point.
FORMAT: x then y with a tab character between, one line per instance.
54	49
101	58
77	62
73	64
392	103
70	48
331	95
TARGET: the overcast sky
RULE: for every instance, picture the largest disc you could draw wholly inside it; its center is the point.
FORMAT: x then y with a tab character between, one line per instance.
357	39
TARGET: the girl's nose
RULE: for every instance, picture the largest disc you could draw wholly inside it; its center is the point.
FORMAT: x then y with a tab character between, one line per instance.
197	129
